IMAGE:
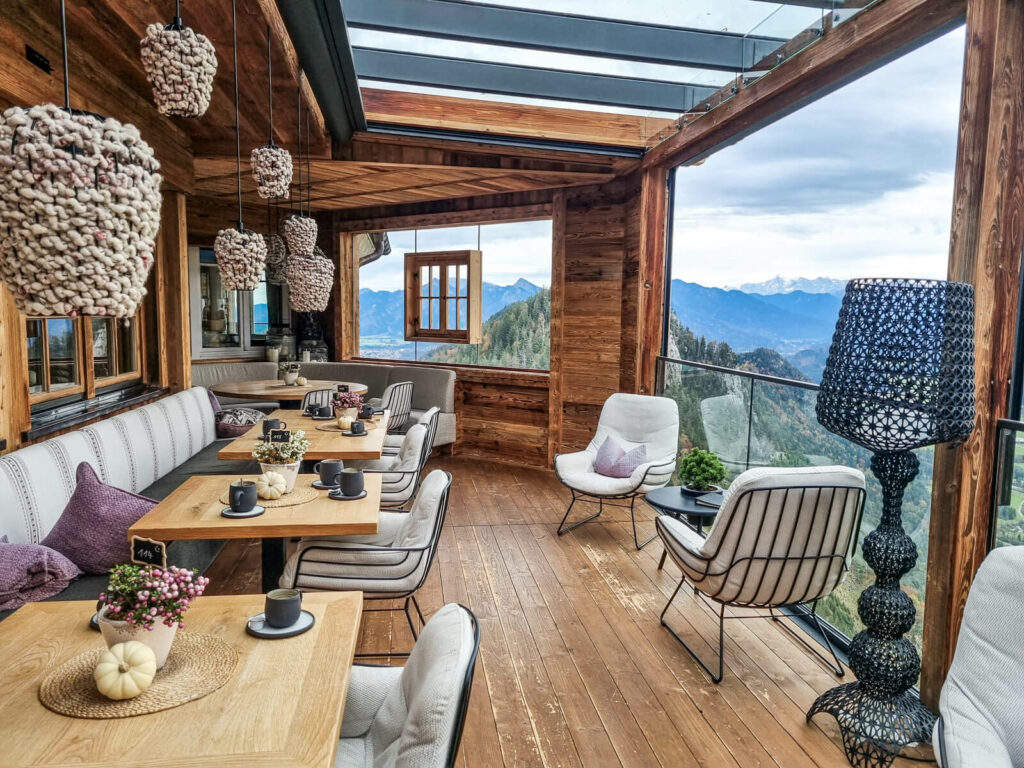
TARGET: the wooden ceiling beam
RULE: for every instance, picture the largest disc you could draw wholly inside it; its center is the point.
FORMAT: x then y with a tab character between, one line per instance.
873	37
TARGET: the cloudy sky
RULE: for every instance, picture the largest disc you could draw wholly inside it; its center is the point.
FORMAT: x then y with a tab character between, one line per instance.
856	184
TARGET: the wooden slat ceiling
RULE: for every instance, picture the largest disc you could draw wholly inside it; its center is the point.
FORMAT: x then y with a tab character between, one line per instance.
338	184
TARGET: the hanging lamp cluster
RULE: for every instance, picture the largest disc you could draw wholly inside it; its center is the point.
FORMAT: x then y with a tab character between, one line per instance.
277	253
271	164
180	65
241	253
300	231
79	209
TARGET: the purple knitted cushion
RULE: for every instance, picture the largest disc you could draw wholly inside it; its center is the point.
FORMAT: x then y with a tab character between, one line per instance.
613	461
30	572
235	422
93	529
214	402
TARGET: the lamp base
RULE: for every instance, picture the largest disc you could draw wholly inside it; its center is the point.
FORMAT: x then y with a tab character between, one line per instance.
875	730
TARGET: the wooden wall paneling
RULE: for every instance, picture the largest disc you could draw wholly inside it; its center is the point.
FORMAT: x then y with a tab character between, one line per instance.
985	250
556	344
15	415
654	212
171	294
503	418
448	213
343	309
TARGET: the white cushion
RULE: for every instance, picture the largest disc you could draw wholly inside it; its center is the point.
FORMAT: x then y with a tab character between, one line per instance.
804	561
981	698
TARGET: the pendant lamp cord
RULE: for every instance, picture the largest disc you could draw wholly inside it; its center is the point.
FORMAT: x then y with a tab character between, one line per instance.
309	172
64	53
298	126
176	24
238	131
270	87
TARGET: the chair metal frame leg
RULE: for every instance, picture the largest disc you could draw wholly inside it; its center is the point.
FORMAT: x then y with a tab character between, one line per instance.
716	679
409	600
579	496
562	529
837	666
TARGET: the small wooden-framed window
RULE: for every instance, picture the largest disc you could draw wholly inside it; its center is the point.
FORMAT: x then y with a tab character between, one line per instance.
115	350
442	297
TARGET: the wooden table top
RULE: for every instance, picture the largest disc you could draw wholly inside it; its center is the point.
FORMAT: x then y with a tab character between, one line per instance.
324	445
283	705
192	511
275	389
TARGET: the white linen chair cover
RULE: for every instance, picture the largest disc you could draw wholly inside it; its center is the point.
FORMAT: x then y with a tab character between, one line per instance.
412	716
401	471
801	548
980	703
631	420
391	563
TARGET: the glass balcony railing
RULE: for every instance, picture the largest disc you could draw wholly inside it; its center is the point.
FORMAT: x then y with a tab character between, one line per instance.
1007	526
752	419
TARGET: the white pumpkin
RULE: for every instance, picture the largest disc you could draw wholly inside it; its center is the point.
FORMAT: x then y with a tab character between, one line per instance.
271	485
345	422
125	670
302	381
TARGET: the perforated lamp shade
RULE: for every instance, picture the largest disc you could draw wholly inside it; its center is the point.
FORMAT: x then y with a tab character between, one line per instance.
900	371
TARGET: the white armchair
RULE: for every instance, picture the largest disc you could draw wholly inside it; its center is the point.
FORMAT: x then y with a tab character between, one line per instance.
783	537
414	713
632	421
979	708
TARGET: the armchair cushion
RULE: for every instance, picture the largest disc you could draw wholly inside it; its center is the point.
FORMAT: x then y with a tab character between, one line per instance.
612	460
367	688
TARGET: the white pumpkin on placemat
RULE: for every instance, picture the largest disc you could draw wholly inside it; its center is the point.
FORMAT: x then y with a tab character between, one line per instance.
271	485
125	670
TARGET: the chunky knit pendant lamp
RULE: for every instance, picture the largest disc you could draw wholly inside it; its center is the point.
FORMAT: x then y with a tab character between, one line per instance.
79	209
241	253
277	253
271	164
300	231
310	276
180	64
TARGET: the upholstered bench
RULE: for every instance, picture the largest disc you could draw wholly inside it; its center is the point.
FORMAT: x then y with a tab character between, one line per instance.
209	375
149	451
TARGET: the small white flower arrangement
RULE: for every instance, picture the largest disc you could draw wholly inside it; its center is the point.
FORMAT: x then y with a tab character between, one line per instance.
268	452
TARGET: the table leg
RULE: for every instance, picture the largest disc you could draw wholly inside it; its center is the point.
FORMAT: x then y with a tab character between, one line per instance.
272	562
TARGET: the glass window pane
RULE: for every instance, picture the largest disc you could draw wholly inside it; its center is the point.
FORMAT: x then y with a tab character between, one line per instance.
435	280
219	310
435	313
102	362
260	311
424	281
36	377
463	311
60	334
452	282
127	356
424	313
463	280
453	315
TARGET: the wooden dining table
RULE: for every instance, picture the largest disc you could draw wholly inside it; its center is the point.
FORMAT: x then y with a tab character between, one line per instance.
193	511
323	445
275	389
282	706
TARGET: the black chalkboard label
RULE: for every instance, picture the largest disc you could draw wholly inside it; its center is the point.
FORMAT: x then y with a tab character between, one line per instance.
149	552
343	387
280	435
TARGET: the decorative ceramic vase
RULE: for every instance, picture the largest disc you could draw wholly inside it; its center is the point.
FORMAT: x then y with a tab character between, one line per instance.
288	471
159	638
351	413
291	377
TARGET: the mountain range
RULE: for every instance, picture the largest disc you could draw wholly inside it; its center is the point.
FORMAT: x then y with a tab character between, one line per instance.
780	284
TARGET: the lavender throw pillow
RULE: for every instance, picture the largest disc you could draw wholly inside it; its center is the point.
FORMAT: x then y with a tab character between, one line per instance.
235	422
30	572
214	402
93	529
613	461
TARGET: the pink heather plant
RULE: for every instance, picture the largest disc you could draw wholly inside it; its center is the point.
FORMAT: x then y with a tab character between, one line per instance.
141	594
347	400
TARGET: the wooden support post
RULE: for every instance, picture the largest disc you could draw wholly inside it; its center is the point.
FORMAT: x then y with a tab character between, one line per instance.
985	249
14	408
654	208
173	331
557	313
345	315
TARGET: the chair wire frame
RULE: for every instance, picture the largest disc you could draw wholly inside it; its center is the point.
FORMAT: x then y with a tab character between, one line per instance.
317	397
399	481
815	556
655	476
397	400
467	687
412	557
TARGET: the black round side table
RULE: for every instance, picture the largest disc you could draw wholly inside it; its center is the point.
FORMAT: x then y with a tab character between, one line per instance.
682	506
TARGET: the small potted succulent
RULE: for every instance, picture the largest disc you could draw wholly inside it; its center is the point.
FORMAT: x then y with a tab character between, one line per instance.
290	370
283	458
700	471
147	603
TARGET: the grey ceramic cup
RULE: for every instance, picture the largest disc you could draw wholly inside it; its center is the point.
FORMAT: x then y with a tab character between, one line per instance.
242	496
324	411
269	424
358	428
329	471
351	482
282	607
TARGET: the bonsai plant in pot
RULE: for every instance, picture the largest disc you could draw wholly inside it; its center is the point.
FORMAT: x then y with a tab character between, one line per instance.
290	370
147	603
283	458
700	471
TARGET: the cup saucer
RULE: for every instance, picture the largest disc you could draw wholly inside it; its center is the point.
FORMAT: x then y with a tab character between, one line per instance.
254	512
337	495
258	627
320	486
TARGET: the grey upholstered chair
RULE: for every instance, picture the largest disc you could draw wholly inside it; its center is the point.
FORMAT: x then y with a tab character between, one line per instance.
413	715
783	537
397	400
979	708
632	420
388	565
317	397
400	472
429	419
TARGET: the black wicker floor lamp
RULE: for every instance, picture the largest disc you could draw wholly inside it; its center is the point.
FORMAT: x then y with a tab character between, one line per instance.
899	376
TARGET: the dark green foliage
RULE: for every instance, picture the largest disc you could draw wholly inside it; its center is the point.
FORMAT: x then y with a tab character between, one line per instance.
700	469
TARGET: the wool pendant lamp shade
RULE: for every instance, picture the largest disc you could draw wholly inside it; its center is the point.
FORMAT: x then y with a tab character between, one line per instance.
277	259
310	279
180	65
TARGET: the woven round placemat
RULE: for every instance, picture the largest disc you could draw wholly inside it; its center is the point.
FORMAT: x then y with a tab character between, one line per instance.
299	495
197	665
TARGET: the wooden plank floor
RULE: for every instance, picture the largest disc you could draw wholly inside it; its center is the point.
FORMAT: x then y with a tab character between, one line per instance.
575	669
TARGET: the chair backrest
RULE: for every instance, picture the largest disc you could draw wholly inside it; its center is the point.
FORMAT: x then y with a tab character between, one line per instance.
410	454
783	535
422	524
639	420
980	699
397	400
422	717
429	419
318	397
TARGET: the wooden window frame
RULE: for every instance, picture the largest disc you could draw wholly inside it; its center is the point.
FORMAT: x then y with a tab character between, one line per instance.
443	260
93	383
46	394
